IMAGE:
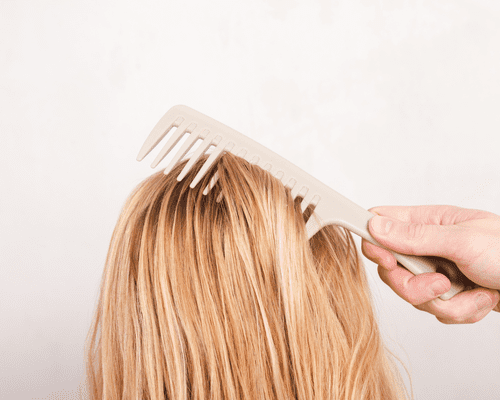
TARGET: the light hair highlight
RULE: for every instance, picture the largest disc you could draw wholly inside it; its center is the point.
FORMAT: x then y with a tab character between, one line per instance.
202	299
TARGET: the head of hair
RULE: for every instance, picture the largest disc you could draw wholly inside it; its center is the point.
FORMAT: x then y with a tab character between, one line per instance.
207	299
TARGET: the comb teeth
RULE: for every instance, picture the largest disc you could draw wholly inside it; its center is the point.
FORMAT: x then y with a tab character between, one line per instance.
224	145
210	140
224	138
211	184
330	207
186	146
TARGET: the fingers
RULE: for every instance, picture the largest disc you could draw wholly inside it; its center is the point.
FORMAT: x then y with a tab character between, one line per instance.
431	214
414	238
464	308
421	214
419	290
378	255
415	289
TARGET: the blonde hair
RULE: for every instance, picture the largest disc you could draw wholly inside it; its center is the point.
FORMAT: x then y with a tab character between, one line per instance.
230	300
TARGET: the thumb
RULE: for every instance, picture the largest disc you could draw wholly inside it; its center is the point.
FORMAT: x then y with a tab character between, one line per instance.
418	239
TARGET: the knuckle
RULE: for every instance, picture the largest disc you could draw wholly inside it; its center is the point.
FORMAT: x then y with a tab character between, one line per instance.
416	299
415	291
414	231
457	316
413	299
475	318
383	276
419	300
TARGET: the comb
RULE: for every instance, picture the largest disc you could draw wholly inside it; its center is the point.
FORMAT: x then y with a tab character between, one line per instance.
330	207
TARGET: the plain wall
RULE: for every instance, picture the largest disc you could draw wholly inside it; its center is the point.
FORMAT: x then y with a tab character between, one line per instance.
387	102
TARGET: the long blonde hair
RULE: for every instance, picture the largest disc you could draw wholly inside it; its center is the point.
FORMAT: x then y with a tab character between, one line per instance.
230	300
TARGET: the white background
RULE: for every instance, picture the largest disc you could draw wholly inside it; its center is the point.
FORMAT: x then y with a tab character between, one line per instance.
388	102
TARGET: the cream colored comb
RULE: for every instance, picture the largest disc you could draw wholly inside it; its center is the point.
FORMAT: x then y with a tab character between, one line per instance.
330	206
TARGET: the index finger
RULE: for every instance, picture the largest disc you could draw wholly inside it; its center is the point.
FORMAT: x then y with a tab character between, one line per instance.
430	214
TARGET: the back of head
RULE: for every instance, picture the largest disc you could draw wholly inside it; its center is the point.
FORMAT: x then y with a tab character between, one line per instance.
203	299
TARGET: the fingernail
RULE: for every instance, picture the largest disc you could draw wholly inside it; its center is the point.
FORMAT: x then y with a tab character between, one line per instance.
380	225
439	287
483	301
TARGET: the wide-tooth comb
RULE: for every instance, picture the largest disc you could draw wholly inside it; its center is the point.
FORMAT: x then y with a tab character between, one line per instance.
330	207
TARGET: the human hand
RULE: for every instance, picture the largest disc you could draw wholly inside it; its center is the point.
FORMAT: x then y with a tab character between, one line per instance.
469	238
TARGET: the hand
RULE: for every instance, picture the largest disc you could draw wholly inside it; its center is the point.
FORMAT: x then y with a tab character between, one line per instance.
470	238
